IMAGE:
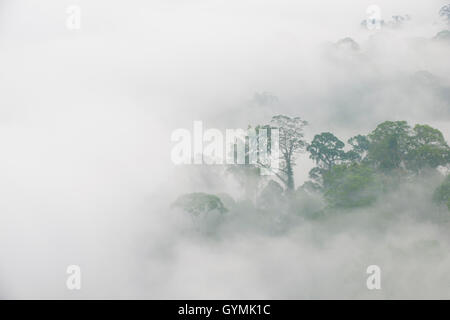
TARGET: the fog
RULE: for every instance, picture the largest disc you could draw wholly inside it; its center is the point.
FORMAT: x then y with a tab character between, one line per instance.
86	118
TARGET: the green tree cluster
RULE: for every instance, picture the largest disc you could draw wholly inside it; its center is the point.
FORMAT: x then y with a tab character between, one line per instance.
346	176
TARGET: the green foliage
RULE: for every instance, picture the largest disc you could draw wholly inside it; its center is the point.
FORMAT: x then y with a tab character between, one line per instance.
428	149
443	36
326	150
354	178
442	193
308	202
316	174
360	146
424	134
350	185
199	203
347	44
227	200
378	163
389	144
291	132
394	145
393	149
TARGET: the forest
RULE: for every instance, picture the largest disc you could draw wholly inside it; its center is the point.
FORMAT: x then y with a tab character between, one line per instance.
366	170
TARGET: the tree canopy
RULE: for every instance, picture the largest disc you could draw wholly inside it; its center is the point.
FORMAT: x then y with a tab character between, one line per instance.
345	176
199	203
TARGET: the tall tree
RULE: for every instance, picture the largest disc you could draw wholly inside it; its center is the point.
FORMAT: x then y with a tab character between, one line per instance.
442	194
389	144
360	146
428	149
291	143
326	150
350	185
395	144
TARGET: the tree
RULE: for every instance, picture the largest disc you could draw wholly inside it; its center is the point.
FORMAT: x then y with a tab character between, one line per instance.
316	174
347	44
326	150
442	194
395	144
443	36
199	203
360	146
389	144
350	185
291	143
428	149
354	177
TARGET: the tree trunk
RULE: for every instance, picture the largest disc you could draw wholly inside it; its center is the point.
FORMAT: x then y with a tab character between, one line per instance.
290	177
